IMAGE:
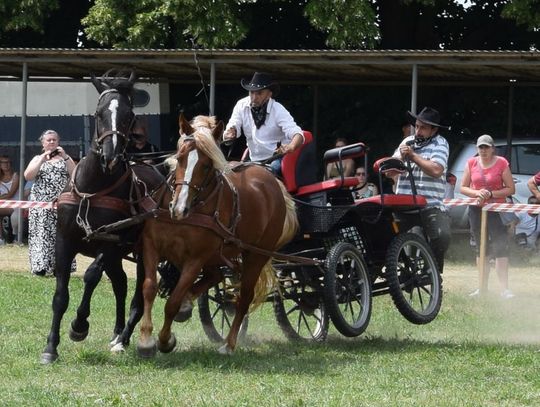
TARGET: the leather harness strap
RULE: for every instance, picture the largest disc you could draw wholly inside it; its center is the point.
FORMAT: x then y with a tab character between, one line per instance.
105	202
208	222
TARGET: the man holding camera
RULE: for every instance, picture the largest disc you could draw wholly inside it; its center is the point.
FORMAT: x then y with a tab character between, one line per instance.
427	152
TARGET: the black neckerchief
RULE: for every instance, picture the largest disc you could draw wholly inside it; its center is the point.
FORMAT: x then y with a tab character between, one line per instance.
420	142
259	114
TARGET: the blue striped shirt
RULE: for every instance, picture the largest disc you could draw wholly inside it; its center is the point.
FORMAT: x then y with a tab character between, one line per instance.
431	188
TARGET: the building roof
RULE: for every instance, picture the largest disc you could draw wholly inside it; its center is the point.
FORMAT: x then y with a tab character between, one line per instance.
290	66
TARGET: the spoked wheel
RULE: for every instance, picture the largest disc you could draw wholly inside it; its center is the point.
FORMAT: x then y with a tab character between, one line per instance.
217	308
413	278
347	289
300	310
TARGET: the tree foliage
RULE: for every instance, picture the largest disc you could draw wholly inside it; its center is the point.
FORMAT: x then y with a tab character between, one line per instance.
336	24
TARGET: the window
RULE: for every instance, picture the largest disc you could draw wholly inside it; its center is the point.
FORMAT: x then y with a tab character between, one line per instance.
140	98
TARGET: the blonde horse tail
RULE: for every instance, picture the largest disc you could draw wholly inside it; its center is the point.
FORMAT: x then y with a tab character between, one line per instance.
268	282
290	225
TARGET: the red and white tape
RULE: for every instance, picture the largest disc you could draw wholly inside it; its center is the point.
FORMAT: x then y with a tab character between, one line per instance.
496	207
26	204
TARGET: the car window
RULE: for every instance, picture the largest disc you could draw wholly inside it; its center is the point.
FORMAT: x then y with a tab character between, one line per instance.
525	159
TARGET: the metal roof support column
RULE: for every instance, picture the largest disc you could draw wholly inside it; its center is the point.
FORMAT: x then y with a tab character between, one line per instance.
315	123
510	128
414	88
22	151
212	102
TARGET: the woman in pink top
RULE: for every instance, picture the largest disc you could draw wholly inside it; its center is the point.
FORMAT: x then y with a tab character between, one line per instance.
487	178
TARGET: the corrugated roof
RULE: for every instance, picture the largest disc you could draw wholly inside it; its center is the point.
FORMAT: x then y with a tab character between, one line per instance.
290	66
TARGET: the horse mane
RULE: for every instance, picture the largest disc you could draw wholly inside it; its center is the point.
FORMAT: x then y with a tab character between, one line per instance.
204	125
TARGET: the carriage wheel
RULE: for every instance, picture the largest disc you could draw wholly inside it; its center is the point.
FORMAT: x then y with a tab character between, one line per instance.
347	289
413	278
300	311
217	308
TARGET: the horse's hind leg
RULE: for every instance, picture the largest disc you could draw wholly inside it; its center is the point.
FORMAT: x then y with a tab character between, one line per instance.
118	278
64	256
146	346
79	326
251	270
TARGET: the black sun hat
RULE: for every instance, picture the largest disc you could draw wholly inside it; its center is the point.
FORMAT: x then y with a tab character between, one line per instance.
260	81
429	116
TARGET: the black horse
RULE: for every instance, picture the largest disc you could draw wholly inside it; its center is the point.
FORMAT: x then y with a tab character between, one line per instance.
104	190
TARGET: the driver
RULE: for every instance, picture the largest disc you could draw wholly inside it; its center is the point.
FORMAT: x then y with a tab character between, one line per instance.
269	128
427	152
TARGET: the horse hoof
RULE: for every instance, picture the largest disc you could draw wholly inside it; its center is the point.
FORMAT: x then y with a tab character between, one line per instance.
147	351
225	350
48	358
185	312
77	336
118	348
115	341
169	346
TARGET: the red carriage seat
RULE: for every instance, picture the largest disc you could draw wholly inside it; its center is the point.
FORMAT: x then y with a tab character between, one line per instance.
299	168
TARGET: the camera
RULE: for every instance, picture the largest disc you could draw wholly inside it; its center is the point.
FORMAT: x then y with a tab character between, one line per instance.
53	153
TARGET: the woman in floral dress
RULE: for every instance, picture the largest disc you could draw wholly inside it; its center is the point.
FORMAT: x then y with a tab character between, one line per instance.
50	172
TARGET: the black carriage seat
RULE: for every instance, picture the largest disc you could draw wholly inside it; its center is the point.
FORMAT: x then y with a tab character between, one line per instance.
330	156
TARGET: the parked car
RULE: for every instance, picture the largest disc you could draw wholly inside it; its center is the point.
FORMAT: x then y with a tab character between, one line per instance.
524	162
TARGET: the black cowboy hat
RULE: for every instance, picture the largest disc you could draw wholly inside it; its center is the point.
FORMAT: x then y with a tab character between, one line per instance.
260	81
429	116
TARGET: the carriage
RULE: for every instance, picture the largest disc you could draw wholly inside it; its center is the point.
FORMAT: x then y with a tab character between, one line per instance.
228	220
354	249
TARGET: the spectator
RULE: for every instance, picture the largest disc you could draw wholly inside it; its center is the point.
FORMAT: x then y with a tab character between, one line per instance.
268	127
138	140
427	153
527	228
533	184
487	178
333	170
365	189
50	172
406	129
9	185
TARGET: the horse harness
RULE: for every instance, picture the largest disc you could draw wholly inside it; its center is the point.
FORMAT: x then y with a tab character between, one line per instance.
227	233
101	199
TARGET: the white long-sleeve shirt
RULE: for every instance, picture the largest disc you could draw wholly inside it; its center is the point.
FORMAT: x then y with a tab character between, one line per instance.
279	126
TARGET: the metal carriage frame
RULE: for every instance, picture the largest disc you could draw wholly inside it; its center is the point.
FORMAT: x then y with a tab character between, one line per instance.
360	250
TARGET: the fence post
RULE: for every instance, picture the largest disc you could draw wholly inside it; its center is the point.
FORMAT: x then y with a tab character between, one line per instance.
483	284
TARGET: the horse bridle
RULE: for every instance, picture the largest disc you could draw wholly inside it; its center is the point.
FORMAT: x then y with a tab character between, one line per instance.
109	133
197	188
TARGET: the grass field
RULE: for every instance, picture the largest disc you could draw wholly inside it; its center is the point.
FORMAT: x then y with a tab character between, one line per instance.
477	352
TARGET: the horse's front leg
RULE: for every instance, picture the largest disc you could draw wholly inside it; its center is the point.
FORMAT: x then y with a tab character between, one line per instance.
135	310
60	302
118	278
146	346
80	326
190	272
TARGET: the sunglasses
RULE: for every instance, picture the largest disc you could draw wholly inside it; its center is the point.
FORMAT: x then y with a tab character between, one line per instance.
360	173
5	162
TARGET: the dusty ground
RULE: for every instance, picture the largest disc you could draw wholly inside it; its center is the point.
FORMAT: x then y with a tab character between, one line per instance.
460	272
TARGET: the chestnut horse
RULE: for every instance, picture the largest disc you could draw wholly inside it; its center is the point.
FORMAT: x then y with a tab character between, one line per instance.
220	214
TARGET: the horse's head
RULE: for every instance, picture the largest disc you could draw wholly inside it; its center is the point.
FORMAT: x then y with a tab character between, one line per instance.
114	118
199	159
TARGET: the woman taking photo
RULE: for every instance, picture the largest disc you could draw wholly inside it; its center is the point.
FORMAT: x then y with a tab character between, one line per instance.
50	172
487	178
9	185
